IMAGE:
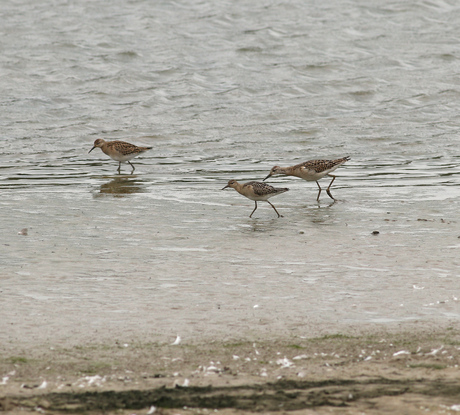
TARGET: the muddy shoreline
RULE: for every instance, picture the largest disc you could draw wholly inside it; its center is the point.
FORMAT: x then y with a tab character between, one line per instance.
402	371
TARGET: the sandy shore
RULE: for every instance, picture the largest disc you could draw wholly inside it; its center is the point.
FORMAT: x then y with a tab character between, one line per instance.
404	372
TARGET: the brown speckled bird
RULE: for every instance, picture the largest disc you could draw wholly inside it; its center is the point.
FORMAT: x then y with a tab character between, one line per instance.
311	170
257	191
119	151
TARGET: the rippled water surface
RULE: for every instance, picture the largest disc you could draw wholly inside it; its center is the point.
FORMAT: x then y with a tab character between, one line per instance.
226	90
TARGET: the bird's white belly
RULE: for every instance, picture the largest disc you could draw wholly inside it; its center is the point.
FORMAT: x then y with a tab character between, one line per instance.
258	198
312	175
122	157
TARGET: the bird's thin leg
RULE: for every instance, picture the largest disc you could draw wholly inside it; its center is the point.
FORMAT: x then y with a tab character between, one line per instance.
280	216
319	187
330	184
132	167
254	209
119	167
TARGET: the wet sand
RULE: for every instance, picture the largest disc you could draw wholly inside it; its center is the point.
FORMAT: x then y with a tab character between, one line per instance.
114	266
408	370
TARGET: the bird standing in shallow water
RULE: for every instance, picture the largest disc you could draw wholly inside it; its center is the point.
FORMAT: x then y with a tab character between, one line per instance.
257	191
311	170
119	151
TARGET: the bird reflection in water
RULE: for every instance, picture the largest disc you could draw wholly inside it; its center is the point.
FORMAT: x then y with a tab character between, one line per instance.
121	186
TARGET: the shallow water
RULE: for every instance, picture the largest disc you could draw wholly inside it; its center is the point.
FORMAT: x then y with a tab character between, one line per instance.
226	91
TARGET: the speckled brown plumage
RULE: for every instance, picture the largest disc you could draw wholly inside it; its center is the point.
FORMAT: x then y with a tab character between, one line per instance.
119	150
256	191
264	189
311	170
320	166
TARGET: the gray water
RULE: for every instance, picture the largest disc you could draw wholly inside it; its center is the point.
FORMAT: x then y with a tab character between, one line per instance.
225	90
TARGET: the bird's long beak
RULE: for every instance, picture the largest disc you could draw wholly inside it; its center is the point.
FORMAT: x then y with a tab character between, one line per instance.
91	149
225	187
269	174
